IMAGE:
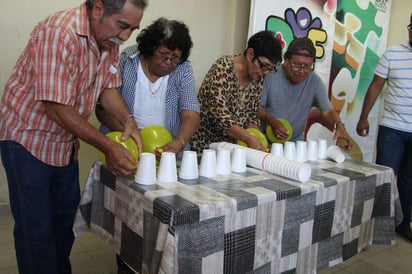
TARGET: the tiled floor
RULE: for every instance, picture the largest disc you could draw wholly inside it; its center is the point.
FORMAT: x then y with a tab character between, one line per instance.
90	255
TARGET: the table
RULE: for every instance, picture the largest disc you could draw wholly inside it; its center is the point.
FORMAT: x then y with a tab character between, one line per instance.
253	222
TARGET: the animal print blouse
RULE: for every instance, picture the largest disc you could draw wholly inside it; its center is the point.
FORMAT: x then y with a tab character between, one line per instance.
224	103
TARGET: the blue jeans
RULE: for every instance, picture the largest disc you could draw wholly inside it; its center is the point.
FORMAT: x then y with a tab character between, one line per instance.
394	149
43	201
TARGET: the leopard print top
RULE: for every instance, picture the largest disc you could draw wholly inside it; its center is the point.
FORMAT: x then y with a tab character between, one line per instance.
224	103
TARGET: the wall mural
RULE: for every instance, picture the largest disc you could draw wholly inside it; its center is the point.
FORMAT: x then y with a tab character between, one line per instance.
349	37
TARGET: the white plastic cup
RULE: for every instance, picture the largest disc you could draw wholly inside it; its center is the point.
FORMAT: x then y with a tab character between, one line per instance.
322	148
238	160
146	171
312	150
277	149
167	168
290	150
303	173
335	153
223	166
208	163
301	151
188	168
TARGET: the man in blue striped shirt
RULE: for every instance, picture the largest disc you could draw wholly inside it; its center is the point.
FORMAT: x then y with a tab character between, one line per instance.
394	143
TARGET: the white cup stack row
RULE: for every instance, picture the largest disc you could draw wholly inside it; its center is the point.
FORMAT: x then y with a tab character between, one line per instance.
279	165
146	171
311	150
222	161
213	163
287	160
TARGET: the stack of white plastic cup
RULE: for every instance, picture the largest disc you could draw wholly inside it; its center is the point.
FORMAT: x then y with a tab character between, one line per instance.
223	166
312	150
301	151
322	148
238	160
277	149
167	168
289	150
335	153
208	163
188	168
146	171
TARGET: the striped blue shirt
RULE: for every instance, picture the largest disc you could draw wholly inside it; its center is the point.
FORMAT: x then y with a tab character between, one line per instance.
180	93
395	65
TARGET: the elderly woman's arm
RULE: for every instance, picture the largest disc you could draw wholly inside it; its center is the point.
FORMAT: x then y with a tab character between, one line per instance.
189	122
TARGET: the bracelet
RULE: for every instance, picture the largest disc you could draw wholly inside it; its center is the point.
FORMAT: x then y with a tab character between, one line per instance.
181	141
126	118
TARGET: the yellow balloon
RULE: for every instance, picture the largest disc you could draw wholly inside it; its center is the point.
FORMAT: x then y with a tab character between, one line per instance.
273	138
153	137
255	132
129	144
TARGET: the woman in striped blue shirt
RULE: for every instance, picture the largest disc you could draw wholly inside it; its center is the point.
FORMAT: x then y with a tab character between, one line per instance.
158	85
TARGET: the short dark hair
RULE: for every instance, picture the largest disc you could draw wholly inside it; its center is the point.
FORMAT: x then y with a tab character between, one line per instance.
171	34
114	6
298	45
265	44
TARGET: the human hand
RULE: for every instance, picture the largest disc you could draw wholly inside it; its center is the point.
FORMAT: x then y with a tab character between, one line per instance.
278	129
362	128
131	129
174	146
342	138
253	142
120	161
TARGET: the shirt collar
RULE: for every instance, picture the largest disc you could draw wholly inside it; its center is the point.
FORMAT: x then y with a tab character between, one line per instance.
83	25
406	45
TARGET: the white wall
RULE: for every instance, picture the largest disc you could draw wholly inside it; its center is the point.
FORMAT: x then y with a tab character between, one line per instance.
216	27
400	14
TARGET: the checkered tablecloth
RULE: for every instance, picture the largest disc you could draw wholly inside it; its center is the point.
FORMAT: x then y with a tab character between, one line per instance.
254	222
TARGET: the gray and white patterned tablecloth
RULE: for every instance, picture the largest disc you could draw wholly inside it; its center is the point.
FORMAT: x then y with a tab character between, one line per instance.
253	222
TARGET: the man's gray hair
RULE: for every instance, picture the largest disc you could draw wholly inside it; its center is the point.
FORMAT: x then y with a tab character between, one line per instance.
114	6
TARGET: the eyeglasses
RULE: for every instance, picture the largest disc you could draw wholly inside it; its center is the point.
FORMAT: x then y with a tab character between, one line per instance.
265	67
409	27
164	57
298	67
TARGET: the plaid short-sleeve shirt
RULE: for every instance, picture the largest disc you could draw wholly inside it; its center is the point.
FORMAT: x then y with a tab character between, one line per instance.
61	63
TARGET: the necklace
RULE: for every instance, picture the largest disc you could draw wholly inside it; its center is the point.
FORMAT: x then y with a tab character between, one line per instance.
153	92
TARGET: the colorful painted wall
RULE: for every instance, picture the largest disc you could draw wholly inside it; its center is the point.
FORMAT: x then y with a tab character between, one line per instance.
349	37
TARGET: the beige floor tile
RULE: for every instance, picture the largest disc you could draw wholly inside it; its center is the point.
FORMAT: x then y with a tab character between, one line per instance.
7	222
396	260
378	259
7	256
77	247
372	250
368	266
105	259
90	242
11	270
82	263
